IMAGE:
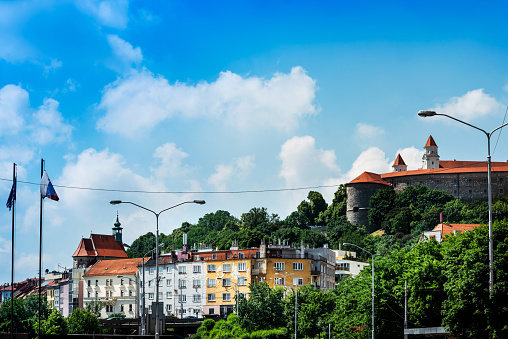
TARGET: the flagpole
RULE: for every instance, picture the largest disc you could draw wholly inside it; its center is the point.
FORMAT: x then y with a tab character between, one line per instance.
40	253
12	249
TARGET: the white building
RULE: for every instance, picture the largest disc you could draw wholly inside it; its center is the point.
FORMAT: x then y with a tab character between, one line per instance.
114	282
347	265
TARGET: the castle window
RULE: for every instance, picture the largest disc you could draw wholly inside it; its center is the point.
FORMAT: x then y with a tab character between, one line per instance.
500	191
455	192
437	182
484	180
455	181
470	192
356	209
469	180
501	180
421	182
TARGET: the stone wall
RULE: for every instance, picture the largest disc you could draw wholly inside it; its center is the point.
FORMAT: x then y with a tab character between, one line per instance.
358	197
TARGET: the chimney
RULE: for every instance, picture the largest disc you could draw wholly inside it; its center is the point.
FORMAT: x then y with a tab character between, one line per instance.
440	218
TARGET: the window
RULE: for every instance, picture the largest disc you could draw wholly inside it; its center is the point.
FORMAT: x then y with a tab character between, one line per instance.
455	181
501	191
196	269
121	281
121	308
196	298
226	282
226	267
210	297
168	308
88	283
169	269
298	266
150	296
169	295
96	282
242	281
130	293
182	298
152	270
226	296
343	266
211	267
227	255
196	258
242	266
211	310
260	264
160	295
182	284
107	282
298	281
470	192
455	192
130	307
89	294
278	266
150	283
196	283
356	209
257	254
437	181
150	309
181	269
469	180
241	255
214	256
484	180
501	180
168	282
109	308
96	294
122	293
210	283
279	281
242	295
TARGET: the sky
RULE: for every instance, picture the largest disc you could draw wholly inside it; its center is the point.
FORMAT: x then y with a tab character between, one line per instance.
240	103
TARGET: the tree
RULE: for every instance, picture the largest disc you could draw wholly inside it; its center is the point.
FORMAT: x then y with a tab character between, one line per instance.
469	308
312	208
380	204
141	245
336	210
263	309
95	307
55	324
21	323
216	221
82	321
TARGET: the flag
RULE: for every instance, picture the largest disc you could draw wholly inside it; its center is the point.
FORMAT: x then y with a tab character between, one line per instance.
47	189
12	196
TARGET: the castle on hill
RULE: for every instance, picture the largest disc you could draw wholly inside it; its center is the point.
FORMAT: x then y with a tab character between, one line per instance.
465	180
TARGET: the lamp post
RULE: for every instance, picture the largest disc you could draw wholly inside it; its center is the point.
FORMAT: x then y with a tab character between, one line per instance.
296	299
236	293
372	255
489	190
143	325
116	202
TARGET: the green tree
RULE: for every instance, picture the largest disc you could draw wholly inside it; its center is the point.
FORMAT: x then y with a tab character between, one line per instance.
82	321
315	205
263	309
95	307
55	324
141	245
216	221
20	323
380	204
336	210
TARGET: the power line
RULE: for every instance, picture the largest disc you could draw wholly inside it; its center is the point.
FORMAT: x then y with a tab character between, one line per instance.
179	192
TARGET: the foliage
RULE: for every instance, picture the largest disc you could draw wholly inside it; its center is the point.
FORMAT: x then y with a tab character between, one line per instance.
336	210
83	321
95	307
20	318
315	205
141	245
469	308
55	324
262	309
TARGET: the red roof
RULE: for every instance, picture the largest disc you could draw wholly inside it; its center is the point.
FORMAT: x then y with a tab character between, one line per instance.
369	177
453	167
100	245
115	267
430	142
399	161
450	228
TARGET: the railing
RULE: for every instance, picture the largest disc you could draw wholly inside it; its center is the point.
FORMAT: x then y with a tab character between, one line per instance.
256	271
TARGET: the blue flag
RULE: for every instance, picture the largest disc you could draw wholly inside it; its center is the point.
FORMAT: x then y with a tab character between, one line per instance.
47	189
12	196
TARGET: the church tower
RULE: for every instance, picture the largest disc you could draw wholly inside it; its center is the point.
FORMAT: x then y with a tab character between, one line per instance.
430	156
117	230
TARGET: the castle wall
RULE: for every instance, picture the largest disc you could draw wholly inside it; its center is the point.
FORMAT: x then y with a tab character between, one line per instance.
465	186
358	197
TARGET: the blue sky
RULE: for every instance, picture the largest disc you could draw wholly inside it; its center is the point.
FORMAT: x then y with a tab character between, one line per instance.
203	98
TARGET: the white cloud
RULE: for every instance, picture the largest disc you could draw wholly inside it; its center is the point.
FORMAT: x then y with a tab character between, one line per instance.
472	105
171	159
49	126
124	51
371	160
303	164
14	104
112	13
412	157
239	168
366	131
243	102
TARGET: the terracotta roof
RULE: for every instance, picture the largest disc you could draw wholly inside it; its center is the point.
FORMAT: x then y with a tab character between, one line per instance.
399	161
115	267
100	245
369	177
85	249
449	228
430	142
453	167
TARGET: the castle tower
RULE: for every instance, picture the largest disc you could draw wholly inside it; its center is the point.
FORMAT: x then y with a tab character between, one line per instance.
117	230
399	165
430	156
359	191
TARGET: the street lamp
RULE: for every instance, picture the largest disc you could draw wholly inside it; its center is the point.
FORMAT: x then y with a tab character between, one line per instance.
372	255
296	298
143	322
236	292
489	184
116	202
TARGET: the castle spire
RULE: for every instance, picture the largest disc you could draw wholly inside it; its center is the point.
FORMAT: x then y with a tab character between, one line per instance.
430	157
117	230
399	165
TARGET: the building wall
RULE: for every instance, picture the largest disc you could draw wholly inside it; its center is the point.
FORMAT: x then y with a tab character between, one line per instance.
358	198
115	295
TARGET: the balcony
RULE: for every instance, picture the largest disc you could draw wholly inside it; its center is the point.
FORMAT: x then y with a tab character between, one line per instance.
315	273
258	271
